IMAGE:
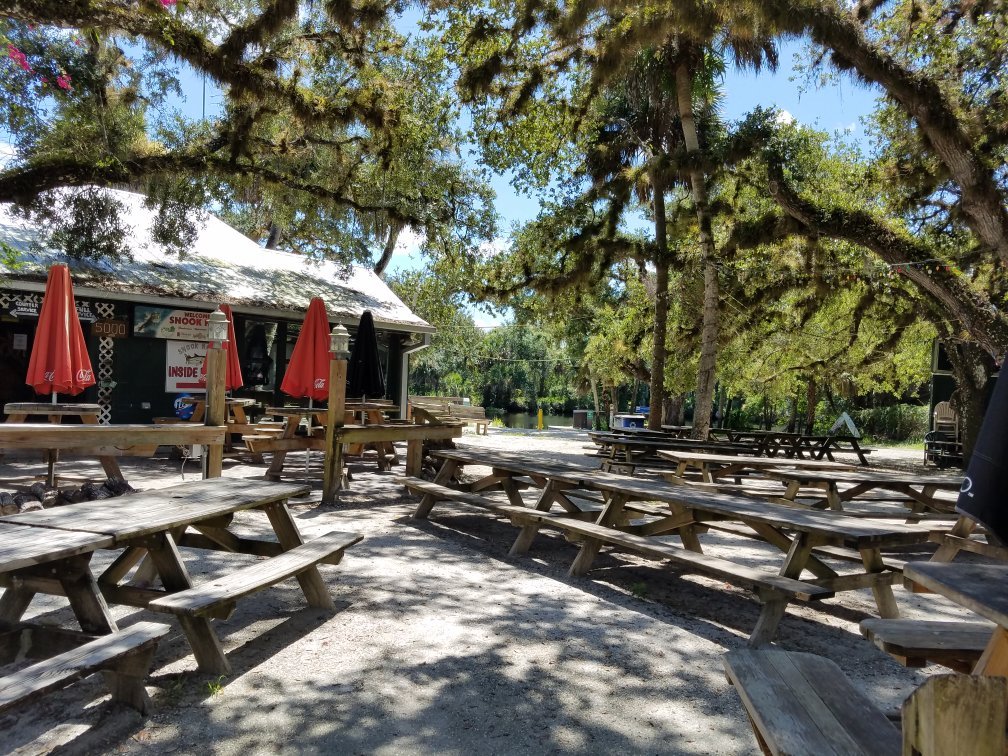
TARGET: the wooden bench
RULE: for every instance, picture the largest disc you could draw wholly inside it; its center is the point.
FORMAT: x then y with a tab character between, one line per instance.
125	656
917	643
773	591
803	705
474	415
218	597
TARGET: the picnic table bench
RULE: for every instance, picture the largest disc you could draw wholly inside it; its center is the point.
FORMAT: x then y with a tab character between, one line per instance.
681	511
800	704
153	525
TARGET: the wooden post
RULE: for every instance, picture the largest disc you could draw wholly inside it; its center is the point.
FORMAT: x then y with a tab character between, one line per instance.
333	476
213	459
952	714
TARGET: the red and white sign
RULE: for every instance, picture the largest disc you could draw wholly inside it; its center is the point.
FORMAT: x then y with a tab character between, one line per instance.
183	362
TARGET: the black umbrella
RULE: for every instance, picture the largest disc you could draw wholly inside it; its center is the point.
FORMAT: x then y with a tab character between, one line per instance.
984	495
365	376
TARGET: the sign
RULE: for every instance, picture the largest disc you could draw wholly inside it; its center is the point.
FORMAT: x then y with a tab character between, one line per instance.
166	323
20	342
28	307
183	363
113	329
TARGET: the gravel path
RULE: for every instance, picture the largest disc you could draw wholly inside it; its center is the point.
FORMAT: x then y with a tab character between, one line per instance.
443	644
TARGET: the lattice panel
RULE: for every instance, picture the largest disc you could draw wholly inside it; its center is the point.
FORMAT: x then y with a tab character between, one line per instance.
106	349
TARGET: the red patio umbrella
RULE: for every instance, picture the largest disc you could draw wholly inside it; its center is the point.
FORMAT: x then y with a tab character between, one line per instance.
233	376
59	362
308	370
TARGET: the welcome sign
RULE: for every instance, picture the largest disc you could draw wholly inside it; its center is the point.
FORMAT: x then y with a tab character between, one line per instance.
166	323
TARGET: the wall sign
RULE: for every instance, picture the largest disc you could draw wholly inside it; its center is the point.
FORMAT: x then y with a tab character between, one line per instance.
166	323
28	307
183	363
113	329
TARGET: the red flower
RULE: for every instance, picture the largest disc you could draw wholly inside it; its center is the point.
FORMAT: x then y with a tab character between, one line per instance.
18	57
168	3
63	81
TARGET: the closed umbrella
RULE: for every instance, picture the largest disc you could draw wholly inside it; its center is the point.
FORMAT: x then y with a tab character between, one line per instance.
59	362
984	495
233	375
308	370
365	376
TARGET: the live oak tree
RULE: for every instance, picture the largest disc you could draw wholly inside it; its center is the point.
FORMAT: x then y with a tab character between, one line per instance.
333	128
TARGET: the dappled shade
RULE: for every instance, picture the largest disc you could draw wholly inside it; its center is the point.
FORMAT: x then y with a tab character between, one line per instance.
308	370
59	360
984	495
365	376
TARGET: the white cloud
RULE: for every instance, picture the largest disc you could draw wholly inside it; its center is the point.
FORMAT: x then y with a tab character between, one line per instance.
784	118
494	247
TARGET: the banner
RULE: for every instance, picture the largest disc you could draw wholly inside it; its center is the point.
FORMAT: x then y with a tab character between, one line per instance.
183	363
166	323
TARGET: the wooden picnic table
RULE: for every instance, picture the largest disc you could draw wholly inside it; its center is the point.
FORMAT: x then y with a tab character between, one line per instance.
919	490
104	441
19	412
633	448
801	535
711	466
981	588
800	445
155	524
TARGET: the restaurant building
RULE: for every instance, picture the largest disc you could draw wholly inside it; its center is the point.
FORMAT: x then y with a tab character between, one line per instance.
145	320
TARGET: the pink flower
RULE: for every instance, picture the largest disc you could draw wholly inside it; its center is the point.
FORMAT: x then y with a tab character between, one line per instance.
168	3
18	57
63	81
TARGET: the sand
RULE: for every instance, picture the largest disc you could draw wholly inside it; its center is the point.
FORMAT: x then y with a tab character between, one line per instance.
441	643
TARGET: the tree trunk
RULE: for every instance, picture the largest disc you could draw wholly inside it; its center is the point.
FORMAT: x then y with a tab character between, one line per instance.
675	407
658	352
792	422
711	314
595	396
810	406
273	239
395	228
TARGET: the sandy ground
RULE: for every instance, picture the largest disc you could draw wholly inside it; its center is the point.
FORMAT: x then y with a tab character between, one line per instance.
443	644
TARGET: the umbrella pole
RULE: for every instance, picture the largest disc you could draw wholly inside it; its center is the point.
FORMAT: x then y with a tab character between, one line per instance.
307	456
51	457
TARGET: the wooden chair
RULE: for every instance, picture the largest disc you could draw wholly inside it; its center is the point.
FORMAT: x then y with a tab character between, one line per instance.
946	419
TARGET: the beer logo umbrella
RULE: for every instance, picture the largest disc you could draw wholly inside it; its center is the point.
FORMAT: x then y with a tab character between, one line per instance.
233	375
308	370
365	376
59	362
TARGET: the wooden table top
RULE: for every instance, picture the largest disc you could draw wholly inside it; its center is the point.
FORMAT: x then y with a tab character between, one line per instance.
296	411
982	588
857	532
22	545
45	408
685	455
51	436
231	400
860	475
134	515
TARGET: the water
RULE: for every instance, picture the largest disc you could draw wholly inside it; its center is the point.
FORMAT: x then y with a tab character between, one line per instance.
527	420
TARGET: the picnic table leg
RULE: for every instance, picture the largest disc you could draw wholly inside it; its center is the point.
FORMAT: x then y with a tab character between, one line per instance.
948	549
443	477
610	515
884	599
833	496
277	463
774	606
994	660
13	604
528	531
797	556
85	599
109	464
312	585
203	641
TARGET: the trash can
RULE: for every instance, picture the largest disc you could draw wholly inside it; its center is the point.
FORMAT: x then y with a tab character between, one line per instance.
629	421
581	419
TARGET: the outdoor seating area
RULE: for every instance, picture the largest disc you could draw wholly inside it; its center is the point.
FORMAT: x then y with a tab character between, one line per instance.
511	378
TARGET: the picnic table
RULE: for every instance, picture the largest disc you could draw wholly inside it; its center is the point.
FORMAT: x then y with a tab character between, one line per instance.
19	412
782	443
920	490
712	466
628	520
635	448
977	587
150	527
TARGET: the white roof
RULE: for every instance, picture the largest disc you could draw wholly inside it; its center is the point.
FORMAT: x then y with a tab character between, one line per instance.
223	266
